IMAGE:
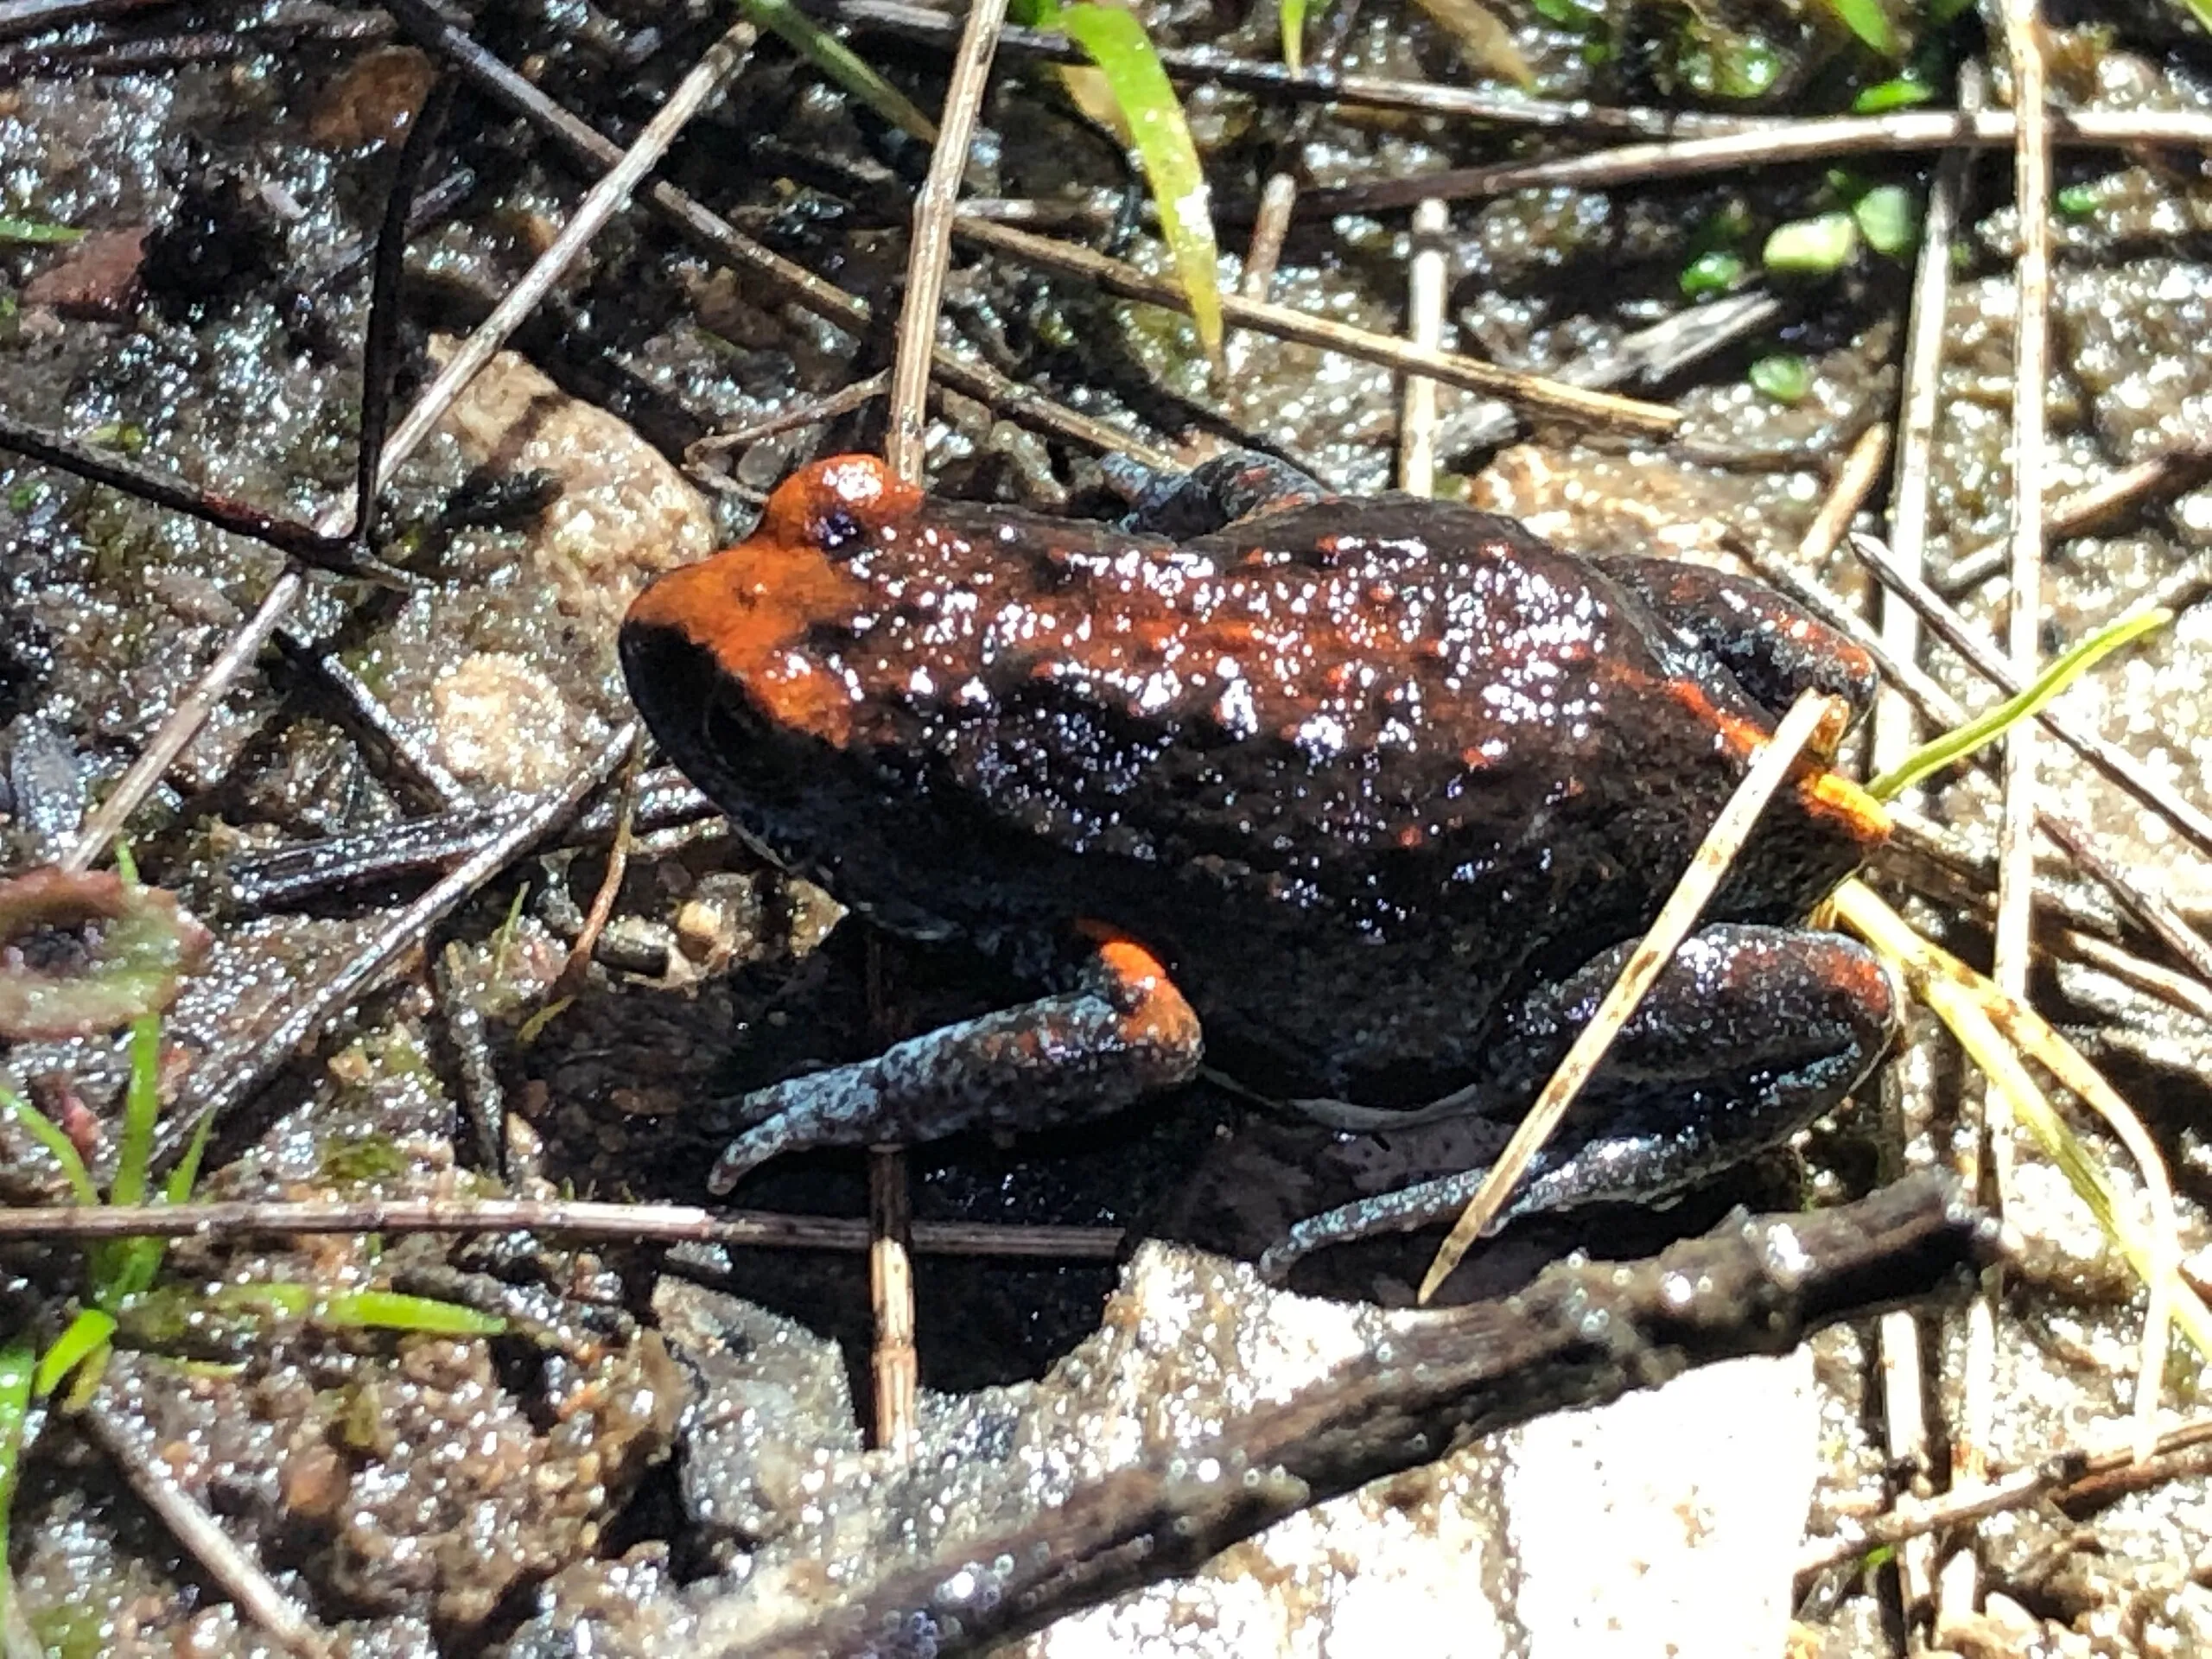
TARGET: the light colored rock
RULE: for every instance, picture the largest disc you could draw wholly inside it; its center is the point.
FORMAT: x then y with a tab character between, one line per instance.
625	513
1668	1522
501	721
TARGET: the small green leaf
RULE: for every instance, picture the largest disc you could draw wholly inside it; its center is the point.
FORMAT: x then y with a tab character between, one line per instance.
2076	201
1889	219
37	232
386	1310
1116	41
389	1310
127	436
1812	246
1900	92
1292	20
1786	377
840	63
1955	745
17	1361
1867	21
1713	272
85	1336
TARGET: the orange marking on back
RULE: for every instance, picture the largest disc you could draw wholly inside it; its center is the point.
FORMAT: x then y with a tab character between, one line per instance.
1825	795
751	606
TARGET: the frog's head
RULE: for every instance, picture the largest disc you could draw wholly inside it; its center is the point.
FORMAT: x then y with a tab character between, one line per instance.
723	654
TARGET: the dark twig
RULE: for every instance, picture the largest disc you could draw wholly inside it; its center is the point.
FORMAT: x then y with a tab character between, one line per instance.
645	1224
258	1600
293	876
483	1098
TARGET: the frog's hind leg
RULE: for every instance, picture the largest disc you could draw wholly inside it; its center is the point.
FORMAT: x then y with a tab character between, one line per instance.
1242	484
1774	648
1125	1033
1750	1034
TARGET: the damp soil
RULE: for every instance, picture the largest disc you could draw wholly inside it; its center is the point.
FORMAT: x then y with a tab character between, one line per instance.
652	1421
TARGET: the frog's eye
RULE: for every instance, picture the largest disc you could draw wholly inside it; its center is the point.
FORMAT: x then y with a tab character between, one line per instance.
837	529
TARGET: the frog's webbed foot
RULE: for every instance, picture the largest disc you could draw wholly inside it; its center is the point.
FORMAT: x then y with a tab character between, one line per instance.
1126	1033
1750	1034
1774	648
1240	484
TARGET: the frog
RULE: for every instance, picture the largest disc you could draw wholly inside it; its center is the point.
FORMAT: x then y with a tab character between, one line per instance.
1360	802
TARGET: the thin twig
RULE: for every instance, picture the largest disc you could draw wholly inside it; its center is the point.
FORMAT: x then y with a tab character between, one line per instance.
1854	482
184	722
305	1018
1428	282
2089	508
1530	392
1958	1584
1708	868
1768	146
647	1224
804	412
571	980
226	1561
894	1364
2074	1467
1905	1362
1923	371
931	249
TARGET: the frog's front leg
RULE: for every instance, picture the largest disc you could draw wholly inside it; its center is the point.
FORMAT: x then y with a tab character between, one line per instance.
1125	1032
1750	1034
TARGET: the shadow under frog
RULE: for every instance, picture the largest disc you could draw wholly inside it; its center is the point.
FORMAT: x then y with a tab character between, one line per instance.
1360	803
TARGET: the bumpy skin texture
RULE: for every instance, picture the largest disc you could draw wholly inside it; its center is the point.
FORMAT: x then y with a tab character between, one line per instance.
1372	778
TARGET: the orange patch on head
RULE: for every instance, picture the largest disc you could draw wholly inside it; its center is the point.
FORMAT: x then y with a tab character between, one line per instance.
752	605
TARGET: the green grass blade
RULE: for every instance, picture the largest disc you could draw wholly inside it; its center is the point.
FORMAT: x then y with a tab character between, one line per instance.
15	1365
840	63
185	1175
124	1267
1957	744
141	1109
48	1134
1867	21
1292	19
1116	43
86	1335
391	1310
381	1310
37	232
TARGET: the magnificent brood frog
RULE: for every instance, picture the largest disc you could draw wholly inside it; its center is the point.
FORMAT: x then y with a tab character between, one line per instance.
1365	799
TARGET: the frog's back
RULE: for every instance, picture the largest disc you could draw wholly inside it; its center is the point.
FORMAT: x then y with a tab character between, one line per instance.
1357	770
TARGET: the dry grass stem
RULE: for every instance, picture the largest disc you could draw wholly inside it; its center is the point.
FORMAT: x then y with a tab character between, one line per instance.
1532	393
